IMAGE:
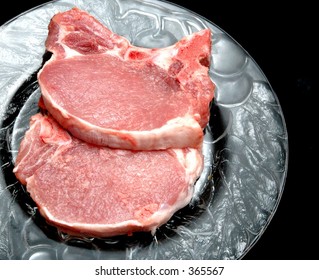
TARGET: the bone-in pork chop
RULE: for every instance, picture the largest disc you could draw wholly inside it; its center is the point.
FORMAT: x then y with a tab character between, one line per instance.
108	92
92	190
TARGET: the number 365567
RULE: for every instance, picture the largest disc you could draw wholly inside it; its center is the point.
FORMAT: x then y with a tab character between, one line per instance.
205	270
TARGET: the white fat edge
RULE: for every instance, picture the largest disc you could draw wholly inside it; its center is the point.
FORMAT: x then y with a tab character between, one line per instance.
187	119
192	161
166	211
159	218
54	104
172	125
96	227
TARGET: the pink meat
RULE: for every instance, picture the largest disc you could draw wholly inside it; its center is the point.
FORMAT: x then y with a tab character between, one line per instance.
85	189
107	92
35	151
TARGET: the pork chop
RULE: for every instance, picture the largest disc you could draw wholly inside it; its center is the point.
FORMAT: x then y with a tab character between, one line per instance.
91	190
108	92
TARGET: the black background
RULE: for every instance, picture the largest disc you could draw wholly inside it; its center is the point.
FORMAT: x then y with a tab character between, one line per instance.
281	39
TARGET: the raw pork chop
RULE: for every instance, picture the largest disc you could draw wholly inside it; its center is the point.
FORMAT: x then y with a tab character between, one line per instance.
107	92
97	191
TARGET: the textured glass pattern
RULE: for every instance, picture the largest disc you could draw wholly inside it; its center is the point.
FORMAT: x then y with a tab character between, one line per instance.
246	146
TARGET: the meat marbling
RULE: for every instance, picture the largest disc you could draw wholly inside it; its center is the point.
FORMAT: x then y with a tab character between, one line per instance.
85	189
108	92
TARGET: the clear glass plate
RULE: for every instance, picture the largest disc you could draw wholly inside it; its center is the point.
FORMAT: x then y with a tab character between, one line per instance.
246	145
